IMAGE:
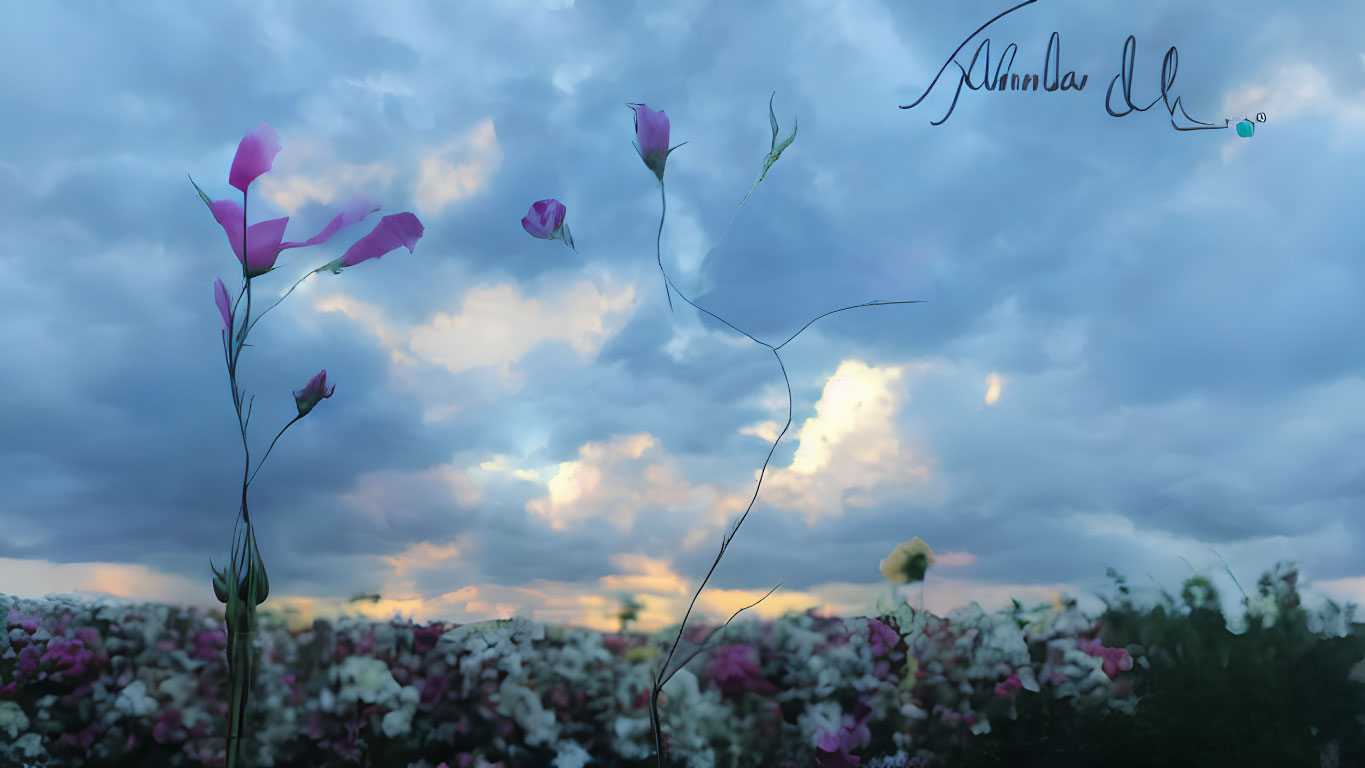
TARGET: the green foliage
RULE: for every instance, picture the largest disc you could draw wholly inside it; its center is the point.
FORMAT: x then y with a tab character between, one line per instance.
1278	694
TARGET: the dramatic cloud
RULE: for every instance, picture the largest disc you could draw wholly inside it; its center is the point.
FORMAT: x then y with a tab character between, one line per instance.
1136	347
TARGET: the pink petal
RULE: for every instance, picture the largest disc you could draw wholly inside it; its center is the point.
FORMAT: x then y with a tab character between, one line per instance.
255	154
392	231
651	129
544	219
220	296
357	209
263	238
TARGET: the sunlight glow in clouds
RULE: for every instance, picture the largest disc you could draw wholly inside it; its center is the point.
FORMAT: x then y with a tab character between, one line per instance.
846	450
308	170
445	180
386	494
494	327
993	382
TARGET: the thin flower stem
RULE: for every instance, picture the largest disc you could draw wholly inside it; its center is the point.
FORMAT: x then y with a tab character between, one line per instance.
272	446
277	303
660	679
658	249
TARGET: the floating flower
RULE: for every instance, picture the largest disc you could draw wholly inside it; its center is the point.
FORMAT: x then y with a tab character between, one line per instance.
908	562
313	393
545	220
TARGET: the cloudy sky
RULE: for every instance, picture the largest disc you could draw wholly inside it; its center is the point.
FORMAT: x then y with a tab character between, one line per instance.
1138	345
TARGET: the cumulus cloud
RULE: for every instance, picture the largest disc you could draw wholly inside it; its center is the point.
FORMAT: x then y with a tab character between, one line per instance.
849	448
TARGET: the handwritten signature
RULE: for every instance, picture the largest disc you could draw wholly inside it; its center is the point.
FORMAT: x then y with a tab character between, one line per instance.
1052	79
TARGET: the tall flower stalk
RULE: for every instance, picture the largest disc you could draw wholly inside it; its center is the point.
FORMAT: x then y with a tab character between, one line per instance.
243	585
651	132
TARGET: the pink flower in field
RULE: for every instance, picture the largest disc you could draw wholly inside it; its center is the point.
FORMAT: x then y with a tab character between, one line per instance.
168	726
735	671
1115	659
28	662
1011	685
651	130
208	644
312	393
70	656
832	749
546	221
615	643
424	638
85	738
434	689
28	623
881	637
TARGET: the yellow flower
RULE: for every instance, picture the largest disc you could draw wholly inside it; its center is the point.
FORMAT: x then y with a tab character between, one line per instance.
908	562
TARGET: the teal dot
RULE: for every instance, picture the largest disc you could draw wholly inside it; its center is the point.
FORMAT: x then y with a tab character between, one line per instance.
1245	129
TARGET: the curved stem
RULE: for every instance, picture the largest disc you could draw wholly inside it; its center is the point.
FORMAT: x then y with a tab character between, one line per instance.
272	447
663	675
658	241
277	302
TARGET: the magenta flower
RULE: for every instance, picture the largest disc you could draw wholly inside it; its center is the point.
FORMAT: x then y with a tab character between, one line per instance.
546	221
735	671
392	232
881	637
221	297
651	130
1011	685
29	623
833	749
1115	659
263	238
313	393
255	154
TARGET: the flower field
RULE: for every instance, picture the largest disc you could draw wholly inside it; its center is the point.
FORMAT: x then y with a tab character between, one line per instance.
101	683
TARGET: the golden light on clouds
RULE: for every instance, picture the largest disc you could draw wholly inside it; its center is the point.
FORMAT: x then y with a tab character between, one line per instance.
643	574
993	384
608	482
307	170
849	448
422	555
494	326
459	170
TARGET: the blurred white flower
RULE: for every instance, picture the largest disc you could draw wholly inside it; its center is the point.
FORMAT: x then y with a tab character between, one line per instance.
133	700
570	755
12	719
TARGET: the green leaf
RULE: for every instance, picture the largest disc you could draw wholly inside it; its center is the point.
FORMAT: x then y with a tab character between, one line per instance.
202	196
219	583
775	152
